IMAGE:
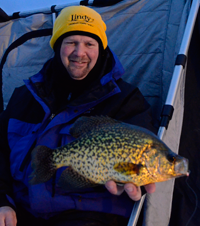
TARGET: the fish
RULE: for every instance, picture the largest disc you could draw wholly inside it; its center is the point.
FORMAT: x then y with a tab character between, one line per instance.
107	149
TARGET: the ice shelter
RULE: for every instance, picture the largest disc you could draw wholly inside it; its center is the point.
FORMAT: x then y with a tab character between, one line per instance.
147	36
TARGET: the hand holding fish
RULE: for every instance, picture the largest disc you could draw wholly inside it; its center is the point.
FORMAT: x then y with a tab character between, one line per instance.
133	191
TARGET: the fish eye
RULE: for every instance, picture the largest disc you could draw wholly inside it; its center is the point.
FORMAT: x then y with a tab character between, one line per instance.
171	158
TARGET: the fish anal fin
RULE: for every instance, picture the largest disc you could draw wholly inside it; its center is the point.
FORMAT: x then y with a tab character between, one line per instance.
127	168
72	180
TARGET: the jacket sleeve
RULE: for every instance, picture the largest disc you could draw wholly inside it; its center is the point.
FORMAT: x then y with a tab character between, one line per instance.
128	106
136	110
22	106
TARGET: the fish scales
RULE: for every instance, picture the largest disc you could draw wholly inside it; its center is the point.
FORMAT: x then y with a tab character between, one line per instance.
107	149
105	152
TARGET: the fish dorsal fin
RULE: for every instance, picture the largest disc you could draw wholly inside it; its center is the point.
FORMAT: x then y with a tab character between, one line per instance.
127	168
86	124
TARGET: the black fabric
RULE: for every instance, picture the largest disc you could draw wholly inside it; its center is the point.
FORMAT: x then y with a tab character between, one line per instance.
6	202
16	15
105	2
59	40
72	218
100	2
129	106
184	199
181	59
3	16
166	115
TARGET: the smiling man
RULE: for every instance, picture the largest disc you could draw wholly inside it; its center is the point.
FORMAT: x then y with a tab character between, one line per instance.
83	78
79	55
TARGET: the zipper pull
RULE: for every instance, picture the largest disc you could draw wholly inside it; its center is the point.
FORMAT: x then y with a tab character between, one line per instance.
52	116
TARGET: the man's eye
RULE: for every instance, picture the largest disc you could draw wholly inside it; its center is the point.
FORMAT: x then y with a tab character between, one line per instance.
69	43
90	44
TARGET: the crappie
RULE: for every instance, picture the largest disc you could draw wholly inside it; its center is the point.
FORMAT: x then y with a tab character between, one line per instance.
107	149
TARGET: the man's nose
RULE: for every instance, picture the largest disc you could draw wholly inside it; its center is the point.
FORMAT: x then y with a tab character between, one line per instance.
80	50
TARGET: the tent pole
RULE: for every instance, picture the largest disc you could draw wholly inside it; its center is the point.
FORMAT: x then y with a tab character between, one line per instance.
179	67
136	211
183	51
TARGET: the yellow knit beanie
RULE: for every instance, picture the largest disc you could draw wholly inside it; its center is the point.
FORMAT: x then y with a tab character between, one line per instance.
79	18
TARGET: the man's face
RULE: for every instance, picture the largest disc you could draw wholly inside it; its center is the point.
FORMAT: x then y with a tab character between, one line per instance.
79	54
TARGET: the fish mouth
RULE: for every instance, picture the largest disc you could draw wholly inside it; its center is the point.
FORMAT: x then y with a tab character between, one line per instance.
181	167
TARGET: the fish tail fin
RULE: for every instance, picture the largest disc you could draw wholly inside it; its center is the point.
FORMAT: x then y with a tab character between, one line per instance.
42	165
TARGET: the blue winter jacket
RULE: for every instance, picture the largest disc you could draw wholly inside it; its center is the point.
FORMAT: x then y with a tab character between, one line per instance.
31	123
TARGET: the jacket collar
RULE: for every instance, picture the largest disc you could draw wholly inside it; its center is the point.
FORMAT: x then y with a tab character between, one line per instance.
99	90
116	72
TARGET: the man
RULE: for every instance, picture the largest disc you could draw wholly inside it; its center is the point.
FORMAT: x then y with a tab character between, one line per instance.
83	78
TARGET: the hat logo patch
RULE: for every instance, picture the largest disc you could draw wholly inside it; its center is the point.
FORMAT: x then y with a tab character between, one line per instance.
81	18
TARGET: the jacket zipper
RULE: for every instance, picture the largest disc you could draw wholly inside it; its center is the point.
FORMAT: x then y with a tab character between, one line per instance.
27	157
51	117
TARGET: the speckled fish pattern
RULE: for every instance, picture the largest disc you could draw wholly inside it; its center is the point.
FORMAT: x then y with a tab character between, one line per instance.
107	149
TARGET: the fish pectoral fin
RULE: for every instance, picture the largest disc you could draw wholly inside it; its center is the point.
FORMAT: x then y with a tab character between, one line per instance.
42	165
128	168
72	180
